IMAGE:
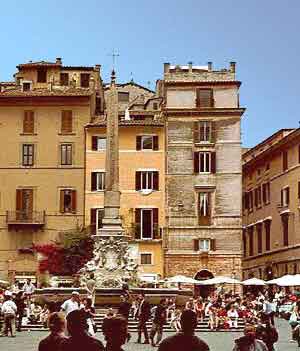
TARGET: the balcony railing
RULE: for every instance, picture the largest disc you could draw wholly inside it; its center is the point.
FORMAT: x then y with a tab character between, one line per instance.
25	217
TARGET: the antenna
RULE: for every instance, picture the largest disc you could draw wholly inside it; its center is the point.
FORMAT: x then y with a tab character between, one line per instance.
114	55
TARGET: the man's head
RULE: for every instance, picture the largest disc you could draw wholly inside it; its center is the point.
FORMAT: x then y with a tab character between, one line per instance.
115	331
76	322
56	322
249	330
28	280
188	321
163	302
141	296
75	296
123	298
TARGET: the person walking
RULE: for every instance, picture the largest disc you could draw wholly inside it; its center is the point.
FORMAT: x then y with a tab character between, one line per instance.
160	318
21	305
266	332
91	288
185	340
124	310
56	324
90	314
9	311
28	289
249	342
72	304
79	338
144	313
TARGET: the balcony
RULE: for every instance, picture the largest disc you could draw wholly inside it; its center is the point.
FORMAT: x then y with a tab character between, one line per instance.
19	220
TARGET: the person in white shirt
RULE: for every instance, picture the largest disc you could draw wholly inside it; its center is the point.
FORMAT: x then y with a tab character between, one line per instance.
9	311
233	316
72	304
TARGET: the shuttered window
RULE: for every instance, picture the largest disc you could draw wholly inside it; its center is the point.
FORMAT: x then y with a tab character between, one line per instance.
146	223
27	154
146	180
96	217
268	235
285	196
28	122
66	122
68	201
205	162
98	143
285	227
147	142
250	234
146	258
42	75
259	238
204	210
64	79
97	181
205	98
66	154
284	160
84	80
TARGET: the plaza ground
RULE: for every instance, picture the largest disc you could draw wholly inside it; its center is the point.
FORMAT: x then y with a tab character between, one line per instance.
28	341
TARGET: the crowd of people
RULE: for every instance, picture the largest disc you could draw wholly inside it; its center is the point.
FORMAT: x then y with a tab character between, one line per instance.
74	318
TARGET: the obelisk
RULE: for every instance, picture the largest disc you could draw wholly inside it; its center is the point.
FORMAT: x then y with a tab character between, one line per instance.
112	224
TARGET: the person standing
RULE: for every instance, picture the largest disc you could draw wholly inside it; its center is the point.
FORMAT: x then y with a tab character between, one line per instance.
160	318
185	340
144	313
9	311
28	289
91	288
115	333
72	304
79	338
249	342
266	332
21	305
56	323
124	310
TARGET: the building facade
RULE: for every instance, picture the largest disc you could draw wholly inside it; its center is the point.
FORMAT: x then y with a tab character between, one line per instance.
203	171
42	171
271	193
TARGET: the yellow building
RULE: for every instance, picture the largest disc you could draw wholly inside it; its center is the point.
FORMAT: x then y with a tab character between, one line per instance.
142	169
42	163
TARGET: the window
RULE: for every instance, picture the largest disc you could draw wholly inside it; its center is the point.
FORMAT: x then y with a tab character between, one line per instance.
98	105
205	98
204	244
285	197
147	180
66	122
259	238
257	196
285	227
123	96
67	201
64	79
66	154
244	242
98	181
204	208
97	215
268	235
24	204
84	80
155	105
267	166
28	122
26	86
146	223
147	142
146	258
98	143
284	160
250	200
42	75
27	154
250	233
205	162
266	193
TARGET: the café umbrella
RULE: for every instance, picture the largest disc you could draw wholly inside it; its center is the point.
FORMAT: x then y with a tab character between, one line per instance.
254	282
182	279
286	280
220	280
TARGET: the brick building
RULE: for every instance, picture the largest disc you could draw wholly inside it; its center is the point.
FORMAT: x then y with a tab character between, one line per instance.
271	193
203	170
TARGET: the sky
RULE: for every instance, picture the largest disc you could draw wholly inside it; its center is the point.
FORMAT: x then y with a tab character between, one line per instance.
262	36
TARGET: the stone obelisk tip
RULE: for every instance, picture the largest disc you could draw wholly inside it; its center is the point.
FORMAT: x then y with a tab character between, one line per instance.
113	77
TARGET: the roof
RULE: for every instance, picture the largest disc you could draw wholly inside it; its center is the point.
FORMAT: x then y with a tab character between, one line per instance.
77	68
38	63
46	92
7	83
132	83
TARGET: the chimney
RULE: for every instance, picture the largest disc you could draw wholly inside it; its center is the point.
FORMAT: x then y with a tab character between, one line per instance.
166	67
58	61
190	66
232	66
209	66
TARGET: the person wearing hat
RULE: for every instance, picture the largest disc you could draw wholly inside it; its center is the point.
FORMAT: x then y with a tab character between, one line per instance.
9	311
72	304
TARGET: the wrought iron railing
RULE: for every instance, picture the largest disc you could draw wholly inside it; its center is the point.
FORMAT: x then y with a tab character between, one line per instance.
25	217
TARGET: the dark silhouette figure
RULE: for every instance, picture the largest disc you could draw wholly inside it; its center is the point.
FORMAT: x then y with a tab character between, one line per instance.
115	332
56	323
144	313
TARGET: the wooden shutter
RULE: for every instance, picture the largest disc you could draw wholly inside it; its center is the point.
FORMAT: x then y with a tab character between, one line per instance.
137	181
246	200
66	121
94	143
204	98
196	162
138	223
28	122
94	181
298	190
155	223
197	126
213	162
284	160
281	197
256	197
155	180
155	142
19	200
264	195
213	244
196	244
287	195
74	201
139	142
61	201
213	132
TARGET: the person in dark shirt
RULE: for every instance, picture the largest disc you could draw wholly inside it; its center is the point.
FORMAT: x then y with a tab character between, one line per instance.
20	302
185	340
160	317
115	332
56	323
54	305
124	309
79	339
144	313
267	332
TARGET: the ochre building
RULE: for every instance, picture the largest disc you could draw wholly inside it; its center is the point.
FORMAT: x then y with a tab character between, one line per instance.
271	193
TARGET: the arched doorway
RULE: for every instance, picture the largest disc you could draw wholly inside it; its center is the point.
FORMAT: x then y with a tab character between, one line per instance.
203	290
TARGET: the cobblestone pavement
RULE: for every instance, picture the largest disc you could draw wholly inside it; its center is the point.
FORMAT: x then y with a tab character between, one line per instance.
28	341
